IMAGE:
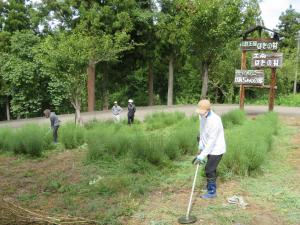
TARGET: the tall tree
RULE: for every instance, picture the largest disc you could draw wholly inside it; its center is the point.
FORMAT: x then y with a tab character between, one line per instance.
213	24
108	23
16	19
173	34
64	58
143	33
21	73
289	26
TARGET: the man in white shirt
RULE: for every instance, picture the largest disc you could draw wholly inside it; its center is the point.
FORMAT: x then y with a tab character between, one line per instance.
211	145
116	111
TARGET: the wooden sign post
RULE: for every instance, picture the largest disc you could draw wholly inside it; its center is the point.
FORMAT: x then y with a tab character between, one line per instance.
255	78
242	88
272	90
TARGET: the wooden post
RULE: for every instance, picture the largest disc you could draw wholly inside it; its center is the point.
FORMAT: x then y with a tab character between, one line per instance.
272	90
242	88
91	87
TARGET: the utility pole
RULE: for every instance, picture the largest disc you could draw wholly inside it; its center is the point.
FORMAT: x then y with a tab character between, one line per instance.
297	61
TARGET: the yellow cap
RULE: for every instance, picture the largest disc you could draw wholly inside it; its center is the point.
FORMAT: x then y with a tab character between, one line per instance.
203	106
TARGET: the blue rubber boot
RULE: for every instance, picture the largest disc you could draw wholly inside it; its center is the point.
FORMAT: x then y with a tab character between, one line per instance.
211	190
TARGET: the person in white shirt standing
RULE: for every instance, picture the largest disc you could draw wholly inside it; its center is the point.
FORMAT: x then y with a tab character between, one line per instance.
116	111
211	145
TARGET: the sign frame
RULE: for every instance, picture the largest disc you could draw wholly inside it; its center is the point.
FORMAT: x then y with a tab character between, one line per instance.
249	77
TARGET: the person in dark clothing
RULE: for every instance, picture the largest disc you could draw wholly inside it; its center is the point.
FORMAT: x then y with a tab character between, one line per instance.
54	121
131	111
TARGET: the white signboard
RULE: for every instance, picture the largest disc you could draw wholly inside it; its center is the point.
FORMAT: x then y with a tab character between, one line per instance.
251	77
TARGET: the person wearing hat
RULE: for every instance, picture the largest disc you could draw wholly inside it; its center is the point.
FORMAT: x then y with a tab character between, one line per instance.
131	111
211	145
116	111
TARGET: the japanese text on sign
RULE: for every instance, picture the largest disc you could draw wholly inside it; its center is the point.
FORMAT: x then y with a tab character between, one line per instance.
273	60
259	45
254	77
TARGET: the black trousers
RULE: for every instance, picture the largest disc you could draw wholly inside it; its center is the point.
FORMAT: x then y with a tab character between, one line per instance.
130	119
211	166
55	131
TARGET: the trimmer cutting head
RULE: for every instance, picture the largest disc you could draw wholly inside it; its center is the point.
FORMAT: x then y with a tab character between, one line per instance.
187	220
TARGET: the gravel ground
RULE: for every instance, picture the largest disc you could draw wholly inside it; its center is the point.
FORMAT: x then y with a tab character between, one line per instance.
144	111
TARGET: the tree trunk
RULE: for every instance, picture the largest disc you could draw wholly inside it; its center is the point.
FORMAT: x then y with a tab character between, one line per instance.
78	117
230	95
7	110
170	81
296	74
91	86
150	83
77	106
205	65
105	92
216	95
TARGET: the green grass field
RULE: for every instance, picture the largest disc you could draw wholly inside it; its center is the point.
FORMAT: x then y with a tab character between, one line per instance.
122	172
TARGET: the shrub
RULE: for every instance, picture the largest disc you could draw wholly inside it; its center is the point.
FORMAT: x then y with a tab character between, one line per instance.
6	139
286	100
47	138
247	145
95	141
185	134
25	140
114	140
71	135
31	139
171	147
149	148
162	120
91	124
235	117
109	140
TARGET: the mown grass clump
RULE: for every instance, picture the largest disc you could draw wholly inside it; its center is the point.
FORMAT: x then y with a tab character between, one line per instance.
119	140
71	136
247	145
5	137
162	120
149	148
47	138
235	117
185	135
33	139
108	140
137	143
26	140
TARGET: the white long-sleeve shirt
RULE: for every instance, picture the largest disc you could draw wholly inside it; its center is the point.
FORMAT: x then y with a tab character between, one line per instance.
116	110
212	141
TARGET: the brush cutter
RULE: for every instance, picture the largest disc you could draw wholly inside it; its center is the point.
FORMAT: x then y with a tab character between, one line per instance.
187	219
48	132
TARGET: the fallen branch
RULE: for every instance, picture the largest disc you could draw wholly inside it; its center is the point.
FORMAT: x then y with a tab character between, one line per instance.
12	214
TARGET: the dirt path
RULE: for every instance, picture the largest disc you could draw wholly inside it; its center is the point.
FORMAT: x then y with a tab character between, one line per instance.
165	207
142	112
